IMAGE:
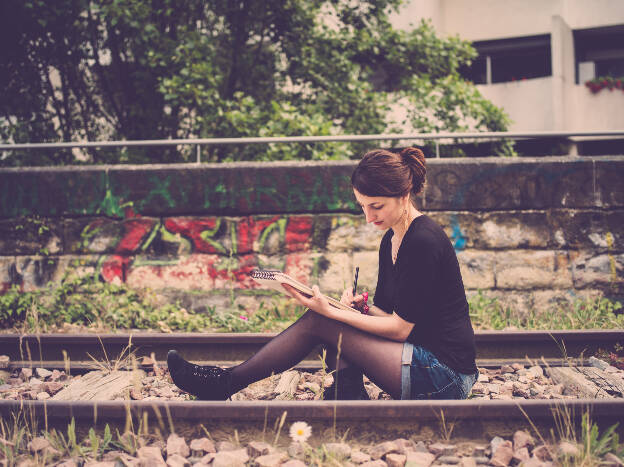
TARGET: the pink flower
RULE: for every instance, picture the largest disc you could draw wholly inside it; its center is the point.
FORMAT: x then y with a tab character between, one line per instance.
244	318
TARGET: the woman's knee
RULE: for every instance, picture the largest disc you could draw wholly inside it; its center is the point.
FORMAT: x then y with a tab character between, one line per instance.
314	318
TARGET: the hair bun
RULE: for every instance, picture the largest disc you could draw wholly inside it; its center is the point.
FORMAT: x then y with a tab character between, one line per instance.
414	158
411	153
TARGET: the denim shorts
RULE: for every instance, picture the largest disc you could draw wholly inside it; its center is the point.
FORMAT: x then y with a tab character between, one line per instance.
423	376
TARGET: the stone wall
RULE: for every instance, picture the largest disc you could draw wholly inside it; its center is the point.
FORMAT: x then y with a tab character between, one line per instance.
527	230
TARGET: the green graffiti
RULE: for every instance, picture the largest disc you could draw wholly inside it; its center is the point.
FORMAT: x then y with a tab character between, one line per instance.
295	198
211	190
166	236
111	205
206	236
264	186
332	194
281	224
151	235
87	235
322	195
161	188
244	191
233	239
226	264
345	193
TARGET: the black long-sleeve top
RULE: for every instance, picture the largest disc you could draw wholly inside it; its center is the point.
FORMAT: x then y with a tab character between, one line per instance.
425	287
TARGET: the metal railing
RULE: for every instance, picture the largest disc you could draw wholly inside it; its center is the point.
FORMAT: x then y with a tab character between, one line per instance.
199	142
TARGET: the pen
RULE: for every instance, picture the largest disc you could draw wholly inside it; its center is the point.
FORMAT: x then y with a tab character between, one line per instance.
357	271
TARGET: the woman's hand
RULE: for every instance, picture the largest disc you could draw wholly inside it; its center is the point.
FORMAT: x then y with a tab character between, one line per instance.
355	302
316	303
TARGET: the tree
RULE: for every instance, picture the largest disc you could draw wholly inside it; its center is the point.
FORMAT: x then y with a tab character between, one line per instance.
136	69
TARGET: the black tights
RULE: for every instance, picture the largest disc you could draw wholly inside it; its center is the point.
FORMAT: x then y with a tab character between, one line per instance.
379	358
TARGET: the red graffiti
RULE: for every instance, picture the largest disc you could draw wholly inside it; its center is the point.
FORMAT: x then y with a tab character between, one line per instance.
250	230
115	266
211	240
298	233
136	230
193	228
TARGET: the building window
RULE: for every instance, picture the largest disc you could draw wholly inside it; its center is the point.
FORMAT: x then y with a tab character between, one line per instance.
599	52
507	60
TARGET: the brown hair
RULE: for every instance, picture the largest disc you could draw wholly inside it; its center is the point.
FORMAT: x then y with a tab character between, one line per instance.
384	173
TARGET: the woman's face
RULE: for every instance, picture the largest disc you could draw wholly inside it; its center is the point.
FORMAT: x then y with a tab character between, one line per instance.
382	211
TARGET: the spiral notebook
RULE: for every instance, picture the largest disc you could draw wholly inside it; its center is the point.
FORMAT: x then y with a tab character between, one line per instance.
273	279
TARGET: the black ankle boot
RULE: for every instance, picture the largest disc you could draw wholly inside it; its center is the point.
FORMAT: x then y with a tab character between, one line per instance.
209	383
348	385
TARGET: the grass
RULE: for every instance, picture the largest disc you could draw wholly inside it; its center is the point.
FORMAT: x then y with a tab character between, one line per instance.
594	313
85	302
82	302
591	444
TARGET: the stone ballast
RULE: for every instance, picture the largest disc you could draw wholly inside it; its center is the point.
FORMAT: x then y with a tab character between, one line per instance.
528	230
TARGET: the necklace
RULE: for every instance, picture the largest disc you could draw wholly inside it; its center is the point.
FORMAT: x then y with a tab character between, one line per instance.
398	239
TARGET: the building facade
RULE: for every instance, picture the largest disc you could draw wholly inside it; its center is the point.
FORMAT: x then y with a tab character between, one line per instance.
537	56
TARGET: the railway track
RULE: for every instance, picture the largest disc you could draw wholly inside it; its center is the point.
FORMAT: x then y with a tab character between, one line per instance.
472	419
468	419
493	347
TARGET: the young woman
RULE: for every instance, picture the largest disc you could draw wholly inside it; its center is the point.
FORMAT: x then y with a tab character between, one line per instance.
415	342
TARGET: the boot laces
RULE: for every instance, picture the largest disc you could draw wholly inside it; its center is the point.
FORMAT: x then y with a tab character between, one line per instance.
207	372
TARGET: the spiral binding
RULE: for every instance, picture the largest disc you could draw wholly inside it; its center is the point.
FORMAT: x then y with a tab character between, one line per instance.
266	274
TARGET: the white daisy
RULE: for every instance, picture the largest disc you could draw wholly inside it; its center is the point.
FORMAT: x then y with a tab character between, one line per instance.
300	432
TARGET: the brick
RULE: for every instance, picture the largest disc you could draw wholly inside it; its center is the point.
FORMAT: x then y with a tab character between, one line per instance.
79	266
527	269
590	270
482	184
304	187
240	189
338	273
107	236
7	272
609	192
368	262
35	272
496	231
193	272
587	229
477	269
28	236
349	233
50	192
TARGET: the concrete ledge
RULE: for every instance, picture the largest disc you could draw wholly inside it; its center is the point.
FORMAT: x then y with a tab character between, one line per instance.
304	187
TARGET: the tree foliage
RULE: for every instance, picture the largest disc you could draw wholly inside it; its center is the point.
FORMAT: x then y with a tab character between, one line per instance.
135	69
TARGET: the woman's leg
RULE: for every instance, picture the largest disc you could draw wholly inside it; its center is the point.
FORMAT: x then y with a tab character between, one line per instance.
378	357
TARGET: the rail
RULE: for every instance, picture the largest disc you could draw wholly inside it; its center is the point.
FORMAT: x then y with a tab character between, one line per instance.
199	142
493	347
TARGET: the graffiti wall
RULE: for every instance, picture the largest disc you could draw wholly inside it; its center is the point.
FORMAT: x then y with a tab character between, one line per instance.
526	229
